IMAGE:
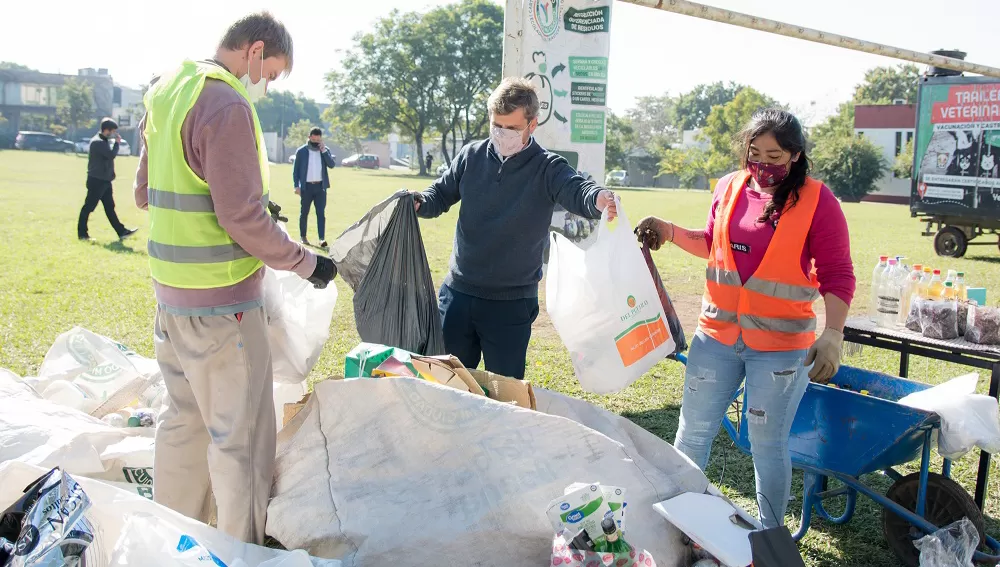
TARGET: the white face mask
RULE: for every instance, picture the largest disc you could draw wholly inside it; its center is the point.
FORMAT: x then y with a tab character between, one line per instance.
256	91
507	142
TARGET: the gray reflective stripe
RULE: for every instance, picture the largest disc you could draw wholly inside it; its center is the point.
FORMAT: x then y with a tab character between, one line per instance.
724	277
713	312
782	291
187	202
196	254
773	324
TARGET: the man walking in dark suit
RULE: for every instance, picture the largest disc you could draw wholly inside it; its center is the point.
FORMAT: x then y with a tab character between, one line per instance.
100	174
311	180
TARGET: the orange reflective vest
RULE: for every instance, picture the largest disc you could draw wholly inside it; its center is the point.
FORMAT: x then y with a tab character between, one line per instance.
773	309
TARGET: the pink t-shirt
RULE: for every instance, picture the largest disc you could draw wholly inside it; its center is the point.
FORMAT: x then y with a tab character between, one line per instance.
828	243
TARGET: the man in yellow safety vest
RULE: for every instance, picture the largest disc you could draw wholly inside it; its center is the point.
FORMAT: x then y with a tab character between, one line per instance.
203	175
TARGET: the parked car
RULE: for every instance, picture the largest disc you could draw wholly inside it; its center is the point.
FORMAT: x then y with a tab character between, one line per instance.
83	145
124	149
365	161
616	178
42	142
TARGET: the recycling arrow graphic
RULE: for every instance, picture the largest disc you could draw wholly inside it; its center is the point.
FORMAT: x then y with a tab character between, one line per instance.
558	68
559	117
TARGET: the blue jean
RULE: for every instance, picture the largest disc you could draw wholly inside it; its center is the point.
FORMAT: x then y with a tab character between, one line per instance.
313	193
495	330
775	383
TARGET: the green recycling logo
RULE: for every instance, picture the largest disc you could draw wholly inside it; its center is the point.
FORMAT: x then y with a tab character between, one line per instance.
544	16
543	86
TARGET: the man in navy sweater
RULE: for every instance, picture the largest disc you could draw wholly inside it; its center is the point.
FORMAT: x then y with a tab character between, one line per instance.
508	186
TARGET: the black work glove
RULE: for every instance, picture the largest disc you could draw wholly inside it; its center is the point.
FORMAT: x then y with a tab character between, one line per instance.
275	210
324	273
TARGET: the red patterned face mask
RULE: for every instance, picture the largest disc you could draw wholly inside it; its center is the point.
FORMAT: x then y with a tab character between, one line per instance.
767	174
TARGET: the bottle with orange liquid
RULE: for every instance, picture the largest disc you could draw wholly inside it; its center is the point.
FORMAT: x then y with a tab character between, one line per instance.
936	287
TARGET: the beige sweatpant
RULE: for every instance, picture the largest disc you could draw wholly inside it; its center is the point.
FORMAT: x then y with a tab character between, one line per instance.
216	436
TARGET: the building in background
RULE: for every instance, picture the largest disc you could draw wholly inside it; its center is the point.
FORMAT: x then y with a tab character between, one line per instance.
26	93
127	107
891	127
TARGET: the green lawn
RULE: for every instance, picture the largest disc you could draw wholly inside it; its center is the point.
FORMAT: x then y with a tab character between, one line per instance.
50	282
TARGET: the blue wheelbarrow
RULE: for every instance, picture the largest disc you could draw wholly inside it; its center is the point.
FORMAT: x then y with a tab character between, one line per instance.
840	433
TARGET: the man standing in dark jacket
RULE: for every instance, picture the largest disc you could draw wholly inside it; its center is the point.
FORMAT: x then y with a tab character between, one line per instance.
311	180
100	174
509	187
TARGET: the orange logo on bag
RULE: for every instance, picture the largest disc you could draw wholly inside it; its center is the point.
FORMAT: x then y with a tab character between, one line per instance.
631	302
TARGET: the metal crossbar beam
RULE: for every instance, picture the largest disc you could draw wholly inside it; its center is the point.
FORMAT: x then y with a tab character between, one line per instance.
772	26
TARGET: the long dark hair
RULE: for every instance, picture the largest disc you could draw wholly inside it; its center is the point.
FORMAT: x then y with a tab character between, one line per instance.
788	132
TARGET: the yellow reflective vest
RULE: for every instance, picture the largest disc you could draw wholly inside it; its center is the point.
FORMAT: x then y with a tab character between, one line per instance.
187	247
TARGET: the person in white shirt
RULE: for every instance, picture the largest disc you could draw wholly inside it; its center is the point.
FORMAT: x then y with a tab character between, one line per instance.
311	180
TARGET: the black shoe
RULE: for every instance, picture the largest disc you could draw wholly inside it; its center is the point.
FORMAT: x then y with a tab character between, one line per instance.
324	245
305	242
128	232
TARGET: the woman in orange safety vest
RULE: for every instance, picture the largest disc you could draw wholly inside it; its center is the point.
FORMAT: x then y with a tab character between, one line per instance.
776	241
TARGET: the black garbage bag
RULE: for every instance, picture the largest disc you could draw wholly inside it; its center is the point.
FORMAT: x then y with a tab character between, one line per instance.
382	258
673	322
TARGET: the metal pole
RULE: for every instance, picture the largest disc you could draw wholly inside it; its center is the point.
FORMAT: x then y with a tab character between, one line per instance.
753	22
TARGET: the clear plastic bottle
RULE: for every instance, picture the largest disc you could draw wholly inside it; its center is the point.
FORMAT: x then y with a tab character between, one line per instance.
889	297
910	289
876	281
901	264
961	289
936	287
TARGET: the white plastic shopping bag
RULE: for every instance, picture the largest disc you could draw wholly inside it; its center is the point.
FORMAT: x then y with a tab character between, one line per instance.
968	419
93	373
602	301
299	323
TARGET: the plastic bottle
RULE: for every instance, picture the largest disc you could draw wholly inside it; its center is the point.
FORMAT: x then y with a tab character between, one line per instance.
889	296
910	289
902	265
936	287
876	282
948	293
961	289
925	282
952	276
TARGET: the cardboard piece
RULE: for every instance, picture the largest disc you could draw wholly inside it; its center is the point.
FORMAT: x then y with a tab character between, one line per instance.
504	389
291	410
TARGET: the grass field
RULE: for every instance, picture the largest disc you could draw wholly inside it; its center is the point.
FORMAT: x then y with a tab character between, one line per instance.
51	282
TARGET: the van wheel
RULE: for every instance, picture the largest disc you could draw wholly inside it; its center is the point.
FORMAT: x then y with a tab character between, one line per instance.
951	242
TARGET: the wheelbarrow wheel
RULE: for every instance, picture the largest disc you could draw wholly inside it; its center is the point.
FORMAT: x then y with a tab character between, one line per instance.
947	502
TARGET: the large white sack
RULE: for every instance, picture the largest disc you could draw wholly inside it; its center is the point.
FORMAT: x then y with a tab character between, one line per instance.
601	298
299	317
405	472
112	508
42	433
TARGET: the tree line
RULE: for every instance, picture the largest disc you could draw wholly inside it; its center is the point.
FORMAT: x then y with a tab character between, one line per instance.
850	165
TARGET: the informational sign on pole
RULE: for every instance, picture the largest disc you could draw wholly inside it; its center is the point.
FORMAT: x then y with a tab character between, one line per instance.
562	47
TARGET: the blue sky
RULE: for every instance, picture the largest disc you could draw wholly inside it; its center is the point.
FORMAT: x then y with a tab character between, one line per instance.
652	52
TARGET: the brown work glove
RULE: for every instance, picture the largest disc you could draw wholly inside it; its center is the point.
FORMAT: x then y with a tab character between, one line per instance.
825	356
654	232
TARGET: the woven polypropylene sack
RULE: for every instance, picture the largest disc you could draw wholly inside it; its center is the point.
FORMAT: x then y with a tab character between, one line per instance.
382	258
